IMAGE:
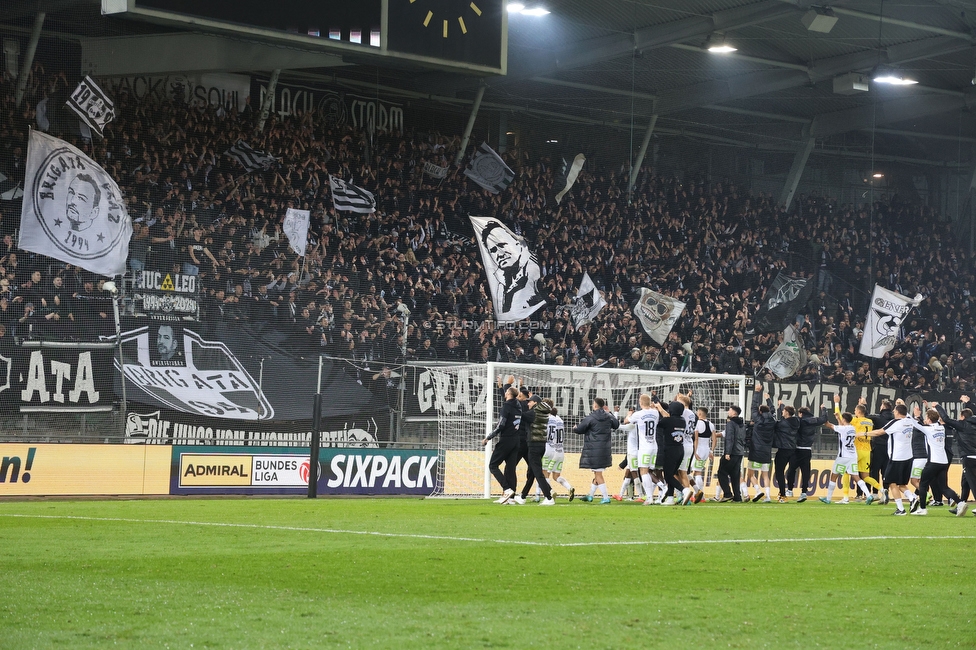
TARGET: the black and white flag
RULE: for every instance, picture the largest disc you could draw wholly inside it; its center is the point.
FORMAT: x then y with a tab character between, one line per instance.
588	302
434	171
782	302
488	170
295	228
789	356
882	324
657	313
250	159
351	198
73	210
9	190
567	176
94	107
513	273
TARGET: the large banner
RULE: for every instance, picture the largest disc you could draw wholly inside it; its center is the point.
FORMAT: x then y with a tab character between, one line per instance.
55	379
242	470
465	391
162	427
334	108
197	90
224	370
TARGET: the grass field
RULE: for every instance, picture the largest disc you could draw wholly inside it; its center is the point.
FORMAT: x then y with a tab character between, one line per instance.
236	573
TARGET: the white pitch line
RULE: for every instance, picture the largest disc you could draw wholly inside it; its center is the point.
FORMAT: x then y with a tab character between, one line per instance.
481	540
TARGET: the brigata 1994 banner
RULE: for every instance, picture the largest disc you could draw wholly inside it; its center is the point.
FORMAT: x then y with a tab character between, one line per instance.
285	470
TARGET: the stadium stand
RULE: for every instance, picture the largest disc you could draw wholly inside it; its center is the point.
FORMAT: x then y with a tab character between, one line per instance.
710	245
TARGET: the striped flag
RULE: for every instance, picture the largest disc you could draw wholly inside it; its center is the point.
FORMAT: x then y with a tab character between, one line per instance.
91	104
488	170
250	159
350	198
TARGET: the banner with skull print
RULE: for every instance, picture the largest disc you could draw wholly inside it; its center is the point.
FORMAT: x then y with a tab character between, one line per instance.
657	313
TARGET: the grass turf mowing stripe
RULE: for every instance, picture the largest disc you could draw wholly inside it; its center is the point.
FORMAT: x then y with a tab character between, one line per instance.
480	540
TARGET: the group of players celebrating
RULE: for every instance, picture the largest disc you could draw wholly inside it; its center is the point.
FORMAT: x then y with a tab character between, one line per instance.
669	448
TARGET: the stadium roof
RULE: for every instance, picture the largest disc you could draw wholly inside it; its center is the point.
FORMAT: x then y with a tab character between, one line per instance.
614	61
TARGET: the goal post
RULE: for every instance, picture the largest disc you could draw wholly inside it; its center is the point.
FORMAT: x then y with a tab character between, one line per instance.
468	399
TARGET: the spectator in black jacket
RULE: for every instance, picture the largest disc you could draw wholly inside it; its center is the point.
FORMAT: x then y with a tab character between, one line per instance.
761	446
784	439
507	449
805	435
670	441
730	465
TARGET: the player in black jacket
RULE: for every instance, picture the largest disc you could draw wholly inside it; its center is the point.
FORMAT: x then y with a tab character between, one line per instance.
784	439
965	428
761	444
671	445
805	435
507	449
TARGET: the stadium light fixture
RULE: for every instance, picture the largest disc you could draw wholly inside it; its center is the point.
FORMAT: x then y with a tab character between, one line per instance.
877	175
519	8
892	77
719	45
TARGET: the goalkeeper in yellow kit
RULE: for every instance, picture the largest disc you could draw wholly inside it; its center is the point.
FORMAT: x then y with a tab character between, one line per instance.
862	444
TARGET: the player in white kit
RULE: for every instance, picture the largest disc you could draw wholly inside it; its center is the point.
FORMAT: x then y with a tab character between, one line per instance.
630	466
846	461
704	445
646	421
691	420
552	460
898	474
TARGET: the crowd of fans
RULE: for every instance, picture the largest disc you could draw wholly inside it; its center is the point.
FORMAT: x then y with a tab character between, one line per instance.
711	245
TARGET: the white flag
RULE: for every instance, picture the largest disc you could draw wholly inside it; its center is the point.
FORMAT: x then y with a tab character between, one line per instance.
92	105
435	171
73	210
565	182
295	228
513	273
790	356
351	198
886	313
657	313
488	170
588	302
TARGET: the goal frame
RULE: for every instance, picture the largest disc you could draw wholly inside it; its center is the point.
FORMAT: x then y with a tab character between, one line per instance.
677	377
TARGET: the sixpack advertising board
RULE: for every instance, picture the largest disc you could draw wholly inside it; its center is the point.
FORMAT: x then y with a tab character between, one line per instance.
278	470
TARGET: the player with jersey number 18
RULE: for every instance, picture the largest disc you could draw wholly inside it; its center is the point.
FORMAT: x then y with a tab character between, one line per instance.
846	462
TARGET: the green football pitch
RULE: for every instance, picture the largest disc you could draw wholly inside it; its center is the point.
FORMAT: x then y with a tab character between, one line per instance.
262	573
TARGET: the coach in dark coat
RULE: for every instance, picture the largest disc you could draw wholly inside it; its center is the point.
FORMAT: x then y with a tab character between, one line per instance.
595	429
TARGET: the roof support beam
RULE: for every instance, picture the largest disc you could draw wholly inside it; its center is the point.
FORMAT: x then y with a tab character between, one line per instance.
796	170
895	110
743	57
760	83
854	13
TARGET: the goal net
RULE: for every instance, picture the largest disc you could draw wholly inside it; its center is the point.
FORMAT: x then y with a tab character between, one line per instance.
469	397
